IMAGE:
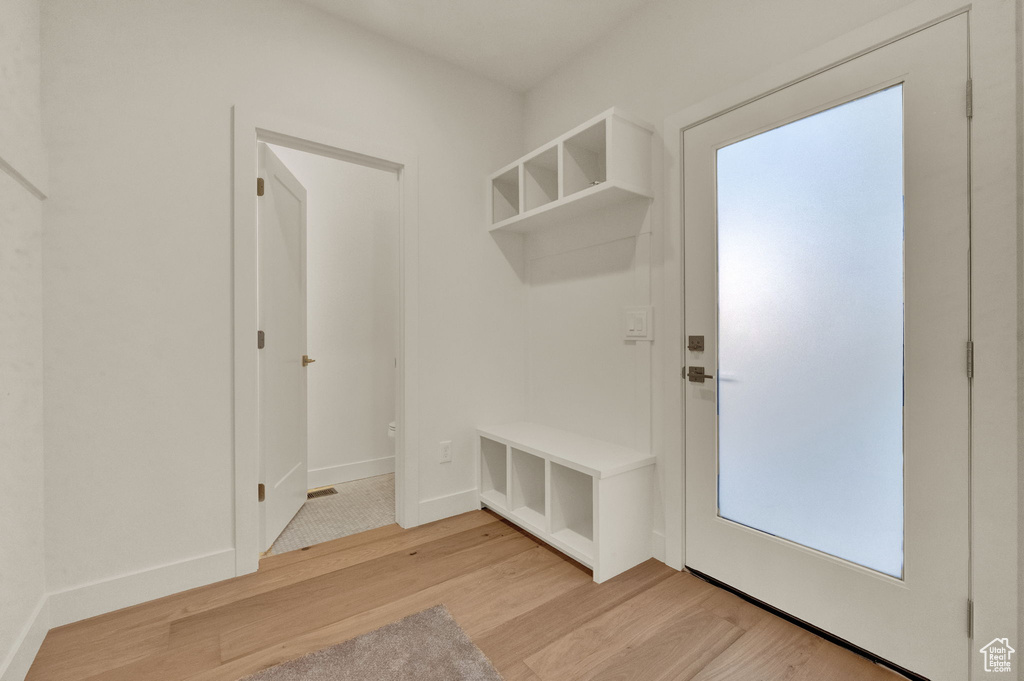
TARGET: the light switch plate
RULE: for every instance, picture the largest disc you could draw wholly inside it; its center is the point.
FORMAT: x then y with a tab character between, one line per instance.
639	323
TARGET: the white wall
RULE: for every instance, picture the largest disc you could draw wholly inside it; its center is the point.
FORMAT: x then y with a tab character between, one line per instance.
352	314
582	374
137	288
21	137
580	367
23	616
674	53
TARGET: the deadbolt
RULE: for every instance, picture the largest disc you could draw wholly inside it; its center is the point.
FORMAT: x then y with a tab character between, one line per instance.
696	344
696	374
306	361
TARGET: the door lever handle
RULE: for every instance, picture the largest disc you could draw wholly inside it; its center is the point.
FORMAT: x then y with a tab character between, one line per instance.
306	361
696	374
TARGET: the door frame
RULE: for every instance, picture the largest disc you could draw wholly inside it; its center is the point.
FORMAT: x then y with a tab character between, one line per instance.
250	128
994	220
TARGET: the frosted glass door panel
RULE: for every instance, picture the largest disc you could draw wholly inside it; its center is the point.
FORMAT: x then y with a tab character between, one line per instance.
810	286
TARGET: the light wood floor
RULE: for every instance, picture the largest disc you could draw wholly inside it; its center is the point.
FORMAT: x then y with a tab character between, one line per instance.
537	615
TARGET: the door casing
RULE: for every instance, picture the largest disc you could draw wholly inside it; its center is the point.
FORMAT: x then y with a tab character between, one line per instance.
249	128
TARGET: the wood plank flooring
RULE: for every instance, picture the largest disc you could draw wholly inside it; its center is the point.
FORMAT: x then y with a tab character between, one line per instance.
536	614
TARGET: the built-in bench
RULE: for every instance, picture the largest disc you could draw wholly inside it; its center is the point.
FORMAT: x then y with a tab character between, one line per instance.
587	498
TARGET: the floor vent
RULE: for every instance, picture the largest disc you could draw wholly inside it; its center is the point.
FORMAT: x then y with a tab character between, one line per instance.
323	492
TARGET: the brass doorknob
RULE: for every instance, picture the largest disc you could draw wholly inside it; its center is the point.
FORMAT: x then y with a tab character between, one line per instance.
306	361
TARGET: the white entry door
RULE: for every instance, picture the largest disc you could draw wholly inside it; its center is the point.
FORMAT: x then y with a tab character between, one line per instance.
826	268
281	237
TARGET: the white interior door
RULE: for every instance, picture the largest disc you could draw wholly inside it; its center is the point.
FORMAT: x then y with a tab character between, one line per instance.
826	267
281	235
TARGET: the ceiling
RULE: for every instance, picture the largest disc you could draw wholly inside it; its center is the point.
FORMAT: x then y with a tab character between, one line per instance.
516	42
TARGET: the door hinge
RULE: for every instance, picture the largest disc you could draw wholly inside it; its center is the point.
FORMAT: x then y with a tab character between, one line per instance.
970	98
970	618
970	359
261	340
259	186
261	492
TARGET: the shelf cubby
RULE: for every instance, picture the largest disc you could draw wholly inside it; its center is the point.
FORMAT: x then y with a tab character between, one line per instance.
572	504
494	472
540	179
588	498
603	162
505	195
528	488
585	162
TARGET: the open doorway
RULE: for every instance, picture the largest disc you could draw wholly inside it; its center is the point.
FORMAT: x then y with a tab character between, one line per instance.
251	132
328	285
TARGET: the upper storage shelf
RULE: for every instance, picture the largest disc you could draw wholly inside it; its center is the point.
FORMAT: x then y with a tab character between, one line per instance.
604	161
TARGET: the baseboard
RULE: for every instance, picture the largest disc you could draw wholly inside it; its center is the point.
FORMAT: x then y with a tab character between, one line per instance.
16	665
335	475
449	505
658	545
89	600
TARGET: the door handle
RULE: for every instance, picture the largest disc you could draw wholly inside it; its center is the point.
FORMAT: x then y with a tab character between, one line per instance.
696	374
306	361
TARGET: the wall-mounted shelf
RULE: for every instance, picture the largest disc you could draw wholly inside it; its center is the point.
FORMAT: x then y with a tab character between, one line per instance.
588	498
505	195
602	162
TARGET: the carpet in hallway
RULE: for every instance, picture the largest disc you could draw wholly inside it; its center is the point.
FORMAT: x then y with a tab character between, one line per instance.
359	505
